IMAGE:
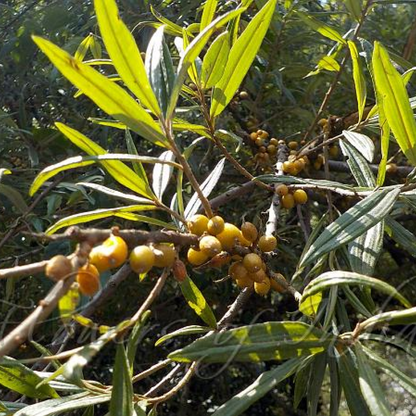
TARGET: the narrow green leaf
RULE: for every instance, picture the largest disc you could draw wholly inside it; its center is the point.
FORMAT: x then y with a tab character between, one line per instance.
241	57
68	304
370	385
310	306
110	97
17	377
348	374
354	7
353	223
215	60
95	48
118	170
206	187
63	404
258	342
162	174
362	143
134	339
14	197
406	317
395	101
208	13
174	29
381	364
317	374
97	214
124	53
137	166
187	330
192	52
122	393
359	80
147	220
325	30
339	277
259	388
401	235
159	68
83	47
197	302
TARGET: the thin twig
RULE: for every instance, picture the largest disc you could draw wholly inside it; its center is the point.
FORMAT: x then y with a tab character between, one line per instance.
151	370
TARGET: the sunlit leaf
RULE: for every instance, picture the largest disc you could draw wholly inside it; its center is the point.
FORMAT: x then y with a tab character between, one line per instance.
162	174
395	101
208	13
124	53
68	304
110	97
241	57
359	80
310	305
187	330
258	342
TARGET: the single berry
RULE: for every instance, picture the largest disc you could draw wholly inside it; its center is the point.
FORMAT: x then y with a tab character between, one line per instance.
262	288
59	267
289	167
267	243
334	151
237	271
262	149
300	196
274	142
277	287
282	190
88	279
110	254
210	245
249	231
198	224
259	142
196	257
252	262
253	136
215	225
165	255
142	259
264	135
292	145
259	276
243	95
229	237
391	168
244	282
271	149
288	201
179	270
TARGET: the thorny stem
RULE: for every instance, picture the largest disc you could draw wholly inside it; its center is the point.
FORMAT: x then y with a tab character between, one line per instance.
167	127
339	73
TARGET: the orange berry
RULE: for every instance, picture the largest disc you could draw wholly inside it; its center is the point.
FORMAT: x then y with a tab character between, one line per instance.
299	165
196	257
198	224
253	136
264	135
249	231
142	259
300	196
288	201
215	225
165	255
88	279
110	254
252	262
267	243
277	287
282	190
262	288
259	276
59	267
289	167
244	282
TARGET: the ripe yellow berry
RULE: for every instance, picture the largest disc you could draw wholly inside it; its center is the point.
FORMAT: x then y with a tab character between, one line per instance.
274	142
299	165
293	145
198	224
237	270
322	122
196	257
229	237
267	243
252	262
59	267
300	196
262	288
305	160
142	259
215	225
259	276
88	279
264	135
179	270
317	164
249	231
165	255
210	245
253	136
288	201
259	142
289	167
243	95
282	190
110	254
262	149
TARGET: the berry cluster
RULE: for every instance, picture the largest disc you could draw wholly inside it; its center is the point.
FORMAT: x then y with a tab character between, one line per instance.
216	235
266	149
288	199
